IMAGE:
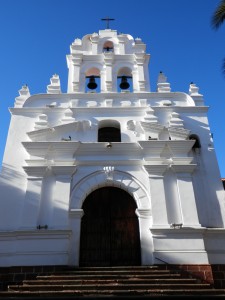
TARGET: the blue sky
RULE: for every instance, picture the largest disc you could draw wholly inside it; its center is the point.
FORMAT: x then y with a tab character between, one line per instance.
35	36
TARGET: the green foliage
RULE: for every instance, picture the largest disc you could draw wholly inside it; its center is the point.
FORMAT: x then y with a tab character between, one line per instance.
219	15
217	20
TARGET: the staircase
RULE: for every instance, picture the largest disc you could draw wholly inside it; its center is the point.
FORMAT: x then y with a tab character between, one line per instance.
107	282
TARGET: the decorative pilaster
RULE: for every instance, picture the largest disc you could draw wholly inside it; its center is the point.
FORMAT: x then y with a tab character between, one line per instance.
157	194
75	225
186	195
76	66
140	60
108	60
135	79
122	41
45	212
145	221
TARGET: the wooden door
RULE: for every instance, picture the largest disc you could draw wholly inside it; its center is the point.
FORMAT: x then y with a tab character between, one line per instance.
109	229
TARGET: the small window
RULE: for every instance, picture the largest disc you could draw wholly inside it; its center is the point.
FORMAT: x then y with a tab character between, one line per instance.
197	144
109	134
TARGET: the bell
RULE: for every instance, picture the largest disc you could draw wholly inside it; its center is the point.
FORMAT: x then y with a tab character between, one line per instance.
124	84
92	84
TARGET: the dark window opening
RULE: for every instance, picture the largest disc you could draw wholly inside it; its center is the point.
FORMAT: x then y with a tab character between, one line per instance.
197	144
109	134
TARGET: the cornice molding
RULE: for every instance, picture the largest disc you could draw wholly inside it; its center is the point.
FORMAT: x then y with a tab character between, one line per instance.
34	233
165	232
40	171
76	213
75	150
156	169
184	168
143	213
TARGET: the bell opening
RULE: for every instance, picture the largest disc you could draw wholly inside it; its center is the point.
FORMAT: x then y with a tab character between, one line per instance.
124	85
92	85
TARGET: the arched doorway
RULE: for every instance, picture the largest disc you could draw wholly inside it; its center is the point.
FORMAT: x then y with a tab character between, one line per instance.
109	229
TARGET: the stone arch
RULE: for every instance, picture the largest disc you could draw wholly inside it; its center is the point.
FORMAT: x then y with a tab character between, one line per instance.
122	69
89	69
122	65
109	177
106	40
108	46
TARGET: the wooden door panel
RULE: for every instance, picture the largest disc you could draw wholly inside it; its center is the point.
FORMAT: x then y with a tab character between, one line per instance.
109	229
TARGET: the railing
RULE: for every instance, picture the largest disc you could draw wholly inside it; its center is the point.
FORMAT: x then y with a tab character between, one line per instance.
162	260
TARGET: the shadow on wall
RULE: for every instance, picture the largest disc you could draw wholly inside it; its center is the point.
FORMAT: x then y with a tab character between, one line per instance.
12	190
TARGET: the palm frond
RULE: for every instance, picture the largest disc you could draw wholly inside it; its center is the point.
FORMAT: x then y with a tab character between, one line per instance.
219	15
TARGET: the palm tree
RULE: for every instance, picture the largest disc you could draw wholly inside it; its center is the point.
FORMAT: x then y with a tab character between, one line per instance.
217	20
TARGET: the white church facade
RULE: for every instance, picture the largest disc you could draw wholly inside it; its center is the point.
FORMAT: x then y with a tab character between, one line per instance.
110	173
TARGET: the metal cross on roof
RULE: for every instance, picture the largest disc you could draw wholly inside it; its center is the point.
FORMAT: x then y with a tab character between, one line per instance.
107	19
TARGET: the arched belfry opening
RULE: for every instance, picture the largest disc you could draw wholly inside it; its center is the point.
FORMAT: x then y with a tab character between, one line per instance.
92	80
109	229
109	131
108	46
124	80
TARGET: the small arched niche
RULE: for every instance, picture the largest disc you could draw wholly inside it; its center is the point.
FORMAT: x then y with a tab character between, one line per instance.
109	131
124	80
197	144
108	47
92	80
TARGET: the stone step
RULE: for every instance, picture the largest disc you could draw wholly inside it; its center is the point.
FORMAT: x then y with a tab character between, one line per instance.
107	293
116	268
110	281
107	276
119	282
114	286
113	271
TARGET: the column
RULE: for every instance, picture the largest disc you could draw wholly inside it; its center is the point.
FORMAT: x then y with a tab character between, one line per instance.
77	60
146	241
140	59
75	226
46	204
157	194
108	59
103	86
186	195
135	80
